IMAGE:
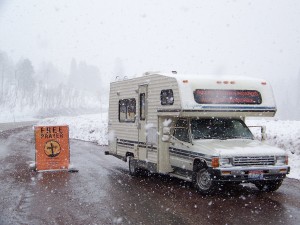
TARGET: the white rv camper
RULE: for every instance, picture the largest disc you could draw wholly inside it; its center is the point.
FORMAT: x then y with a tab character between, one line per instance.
192	127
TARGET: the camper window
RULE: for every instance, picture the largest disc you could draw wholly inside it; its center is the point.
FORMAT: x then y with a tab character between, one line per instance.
142	106
166	97
127	110
211	96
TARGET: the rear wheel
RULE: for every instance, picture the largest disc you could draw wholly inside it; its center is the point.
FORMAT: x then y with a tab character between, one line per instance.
133	169
268	186
203	182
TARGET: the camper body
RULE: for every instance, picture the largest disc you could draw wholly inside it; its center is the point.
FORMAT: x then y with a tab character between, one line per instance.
192	127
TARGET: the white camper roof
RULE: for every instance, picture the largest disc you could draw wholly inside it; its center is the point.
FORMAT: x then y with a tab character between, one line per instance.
224	95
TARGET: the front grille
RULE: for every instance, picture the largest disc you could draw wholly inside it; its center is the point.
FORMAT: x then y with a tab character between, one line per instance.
254	161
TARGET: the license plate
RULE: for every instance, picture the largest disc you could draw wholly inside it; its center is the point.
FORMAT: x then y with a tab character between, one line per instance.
256	175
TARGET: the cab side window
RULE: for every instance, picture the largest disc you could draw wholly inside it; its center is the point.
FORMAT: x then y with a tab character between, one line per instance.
181	130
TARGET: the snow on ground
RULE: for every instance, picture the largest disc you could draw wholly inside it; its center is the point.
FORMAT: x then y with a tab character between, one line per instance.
91	128
283	134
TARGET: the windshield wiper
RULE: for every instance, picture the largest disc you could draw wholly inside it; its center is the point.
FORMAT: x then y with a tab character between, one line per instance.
239	137
210	137
223	138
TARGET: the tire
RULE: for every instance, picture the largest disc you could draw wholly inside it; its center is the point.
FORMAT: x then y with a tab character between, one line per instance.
268	186
133	169
203	182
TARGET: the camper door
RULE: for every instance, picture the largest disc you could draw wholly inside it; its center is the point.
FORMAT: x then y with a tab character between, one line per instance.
142	122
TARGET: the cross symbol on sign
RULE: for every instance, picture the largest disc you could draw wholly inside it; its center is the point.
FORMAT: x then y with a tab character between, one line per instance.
52	148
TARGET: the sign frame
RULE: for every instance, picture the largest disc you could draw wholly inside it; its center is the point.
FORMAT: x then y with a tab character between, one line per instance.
52	148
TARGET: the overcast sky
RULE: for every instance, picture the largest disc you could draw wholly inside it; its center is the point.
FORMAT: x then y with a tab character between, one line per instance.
257	37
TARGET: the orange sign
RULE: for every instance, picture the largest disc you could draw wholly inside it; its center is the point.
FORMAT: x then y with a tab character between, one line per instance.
52	147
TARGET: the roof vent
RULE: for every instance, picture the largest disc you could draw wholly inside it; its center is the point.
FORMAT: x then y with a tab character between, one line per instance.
150	73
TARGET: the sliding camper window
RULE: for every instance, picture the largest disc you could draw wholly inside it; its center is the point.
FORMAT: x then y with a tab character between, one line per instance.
166	97
127	110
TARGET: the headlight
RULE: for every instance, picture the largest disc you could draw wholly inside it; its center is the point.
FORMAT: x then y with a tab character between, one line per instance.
225	162
281	160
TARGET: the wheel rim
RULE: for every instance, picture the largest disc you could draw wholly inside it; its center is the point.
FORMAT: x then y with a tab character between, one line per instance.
204	180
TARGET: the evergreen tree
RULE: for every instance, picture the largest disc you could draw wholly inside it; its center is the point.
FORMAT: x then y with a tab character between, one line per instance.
6	78
73	73
85	77
298	94
24	75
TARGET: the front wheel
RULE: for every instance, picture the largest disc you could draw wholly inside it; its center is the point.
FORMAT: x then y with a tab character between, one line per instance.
203	182
268	186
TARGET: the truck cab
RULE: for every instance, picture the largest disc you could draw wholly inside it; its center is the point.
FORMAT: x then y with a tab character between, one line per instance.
224	150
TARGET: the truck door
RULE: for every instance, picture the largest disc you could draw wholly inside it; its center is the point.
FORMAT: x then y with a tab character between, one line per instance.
142	121
180	142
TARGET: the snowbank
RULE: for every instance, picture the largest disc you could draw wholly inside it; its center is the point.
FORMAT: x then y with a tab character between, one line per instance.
91	128
283	134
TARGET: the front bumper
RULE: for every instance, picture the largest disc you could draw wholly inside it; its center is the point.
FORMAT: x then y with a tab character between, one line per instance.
249	174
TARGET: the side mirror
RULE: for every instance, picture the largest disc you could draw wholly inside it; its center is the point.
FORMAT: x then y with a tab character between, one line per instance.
167	130
166	134
165	138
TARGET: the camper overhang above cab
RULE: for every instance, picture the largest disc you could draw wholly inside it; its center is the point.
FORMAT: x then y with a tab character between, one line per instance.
223	96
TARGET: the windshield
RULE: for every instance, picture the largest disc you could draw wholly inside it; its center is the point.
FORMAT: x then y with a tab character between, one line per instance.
219	129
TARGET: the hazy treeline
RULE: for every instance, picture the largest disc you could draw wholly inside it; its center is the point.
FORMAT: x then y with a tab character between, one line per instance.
45	91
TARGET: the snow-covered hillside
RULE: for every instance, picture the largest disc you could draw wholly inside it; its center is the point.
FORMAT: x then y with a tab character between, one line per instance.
28	92
91	128
283	134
